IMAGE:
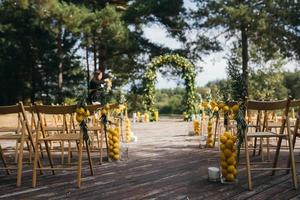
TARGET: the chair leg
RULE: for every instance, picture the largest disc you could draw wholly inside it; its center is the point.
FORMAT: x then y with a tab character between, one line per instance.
261	151
268	149
106	141
98	144
62	144
69	152
254	147
101	147
35	163
17	151
3	161
20	161
289	161
248	165
276	155
292	159
216	129
79	163
89	157
49	156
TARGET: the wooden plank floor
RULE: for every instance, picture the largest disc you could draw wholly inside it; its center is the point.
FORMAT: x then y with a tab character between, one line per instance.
165	163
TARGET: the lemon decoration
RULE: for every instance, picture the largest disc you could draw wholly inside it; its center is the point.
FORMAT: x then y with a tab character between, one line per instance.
209	142
113	140
196	125
228	156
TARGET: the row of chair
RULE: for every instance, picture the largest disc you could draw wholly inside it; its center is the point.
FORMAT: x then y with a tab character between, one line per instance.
40	137
263	128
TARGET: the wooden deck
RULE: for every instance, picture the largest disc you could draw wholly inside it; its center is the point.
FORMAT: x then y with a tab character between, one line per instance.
165	163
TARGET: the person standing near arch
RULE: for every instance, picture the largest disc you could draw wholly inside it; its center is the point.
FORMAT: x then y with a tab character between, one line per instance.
97	88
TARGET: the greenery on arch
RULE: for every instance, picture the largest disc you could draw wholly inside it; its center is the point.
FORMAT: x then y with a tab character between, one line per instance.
188	75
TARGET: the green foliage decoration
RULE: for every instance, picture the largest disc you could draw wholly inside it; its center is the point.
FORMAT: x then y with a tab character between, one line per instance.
188	75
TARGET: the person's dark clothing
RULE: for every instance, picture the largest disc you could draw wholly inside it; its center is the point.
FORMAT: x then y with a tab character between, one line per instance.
97	91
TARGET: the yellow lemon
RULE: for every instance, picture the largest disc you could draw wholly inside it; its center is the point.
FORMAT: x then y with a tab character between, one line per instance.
110	130
224	165
87	113
222	147
209	128
230	168
230	177
110	136
79	118
80	111
111	154
116	157
210	145
116	150
234	172
231	160
106	107
209	140
227	153
209	134
234	138
103	111
228	135
222	157
224	172
115	139
216	109
223	139
234	148
235	108
116	145
225	109
229	144
221	105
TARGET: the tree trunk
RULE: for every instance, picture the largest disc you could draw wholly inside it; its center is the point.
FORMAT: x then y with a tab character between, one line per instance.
60	66
95	53
245	70
102	59
33	85
87	66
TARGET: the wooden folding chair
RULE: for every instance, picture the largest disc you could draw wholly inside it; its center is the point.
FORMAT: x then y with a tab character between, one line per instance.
296	130
96	129
20	133
283	134
61	134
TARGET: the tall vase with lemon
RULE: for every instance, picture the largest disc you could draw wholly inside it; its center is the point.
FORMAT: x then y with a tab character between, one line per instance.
228	157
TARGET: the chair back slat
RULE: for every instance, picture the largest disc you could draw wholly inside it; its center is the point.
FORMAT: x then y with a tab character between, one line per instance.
267	105
232	103
93	108
9	109
55	110
295	103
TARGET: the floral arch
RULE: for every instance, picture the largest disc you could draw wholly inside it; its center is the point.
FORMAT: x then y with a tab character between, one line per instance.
188	75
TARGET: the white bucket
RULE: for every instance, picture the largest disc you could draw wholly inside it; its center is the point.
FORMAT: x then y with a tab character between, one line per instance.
213	173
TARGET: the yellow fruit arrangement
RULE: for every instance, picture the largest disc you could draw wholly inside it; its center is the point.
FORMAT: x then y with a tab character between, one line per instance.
146	117
114	143
81	114
209	142
196	124
228	156
128	130
155	116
